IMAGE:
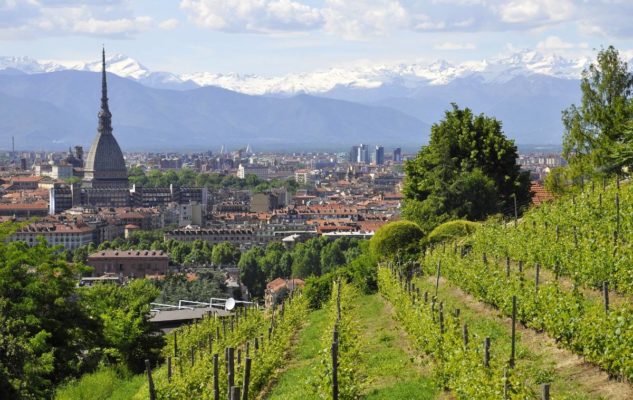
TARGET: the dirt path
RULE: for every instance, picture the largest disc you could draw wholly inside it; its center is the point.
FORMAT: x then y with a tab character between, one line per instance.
591	379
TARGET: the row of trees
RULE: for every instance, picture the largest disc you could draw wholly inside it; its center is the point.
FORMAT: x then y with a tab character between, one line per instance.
185	177
257	265
314	257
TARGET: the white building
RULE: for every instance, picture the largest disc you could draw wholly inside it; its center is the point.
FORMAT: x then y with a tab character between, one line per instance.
261	171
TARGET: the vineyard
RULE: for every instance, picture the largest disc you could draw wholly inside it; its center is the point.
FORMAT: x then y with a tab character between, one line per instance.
534	308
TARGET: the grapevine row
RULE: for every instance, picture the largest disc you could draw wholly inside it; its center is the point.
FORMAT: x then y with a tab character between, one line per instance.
459	363
579	323
202	355
337	375
584	237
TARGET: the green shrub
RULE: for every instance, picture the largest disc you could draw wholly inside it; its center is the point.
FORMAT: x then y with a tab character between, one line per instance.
450	231
395	238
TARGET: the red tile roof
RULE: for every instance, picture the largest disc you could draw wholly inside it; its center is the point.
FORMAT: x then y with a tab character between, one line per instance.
541	194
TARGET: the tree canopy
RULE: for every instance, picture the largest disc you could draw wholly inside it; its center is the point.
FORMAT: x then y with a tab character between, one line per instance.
468	171
599	133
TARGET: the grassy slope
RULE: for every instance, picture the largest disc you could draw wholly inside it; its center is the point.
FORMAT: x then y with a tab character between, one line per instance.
292	382
390	372
101	385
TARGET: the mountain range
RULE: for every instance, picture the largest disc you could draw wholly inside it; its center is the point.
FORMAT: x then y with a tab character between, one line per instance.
54	103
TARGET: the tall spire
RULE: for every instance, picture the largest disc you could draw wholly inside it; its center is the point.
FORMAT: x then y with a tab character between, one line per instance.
105	117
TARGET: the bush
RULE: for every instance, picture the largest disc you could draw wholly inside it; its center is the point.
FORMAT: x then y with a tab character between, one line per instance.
450	231
317	289
399	237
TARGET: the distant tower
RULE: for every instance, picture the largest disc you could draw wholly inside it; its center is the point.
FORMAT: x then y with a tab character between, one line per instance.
397	155
380	155
79	152
105	165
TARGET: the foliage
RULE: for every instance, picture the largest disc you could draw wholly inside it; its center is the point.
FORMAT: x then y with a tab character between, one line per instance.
251	274
558	181
225	253
128	337
395	238
350	380
212	336
597	133
106	383
43	328
186	177
468	170
177	287
450	231
573	319
438	335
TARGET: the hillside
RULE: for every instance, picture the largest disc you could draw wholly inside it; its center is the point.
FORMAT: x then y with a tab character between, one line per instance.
446	328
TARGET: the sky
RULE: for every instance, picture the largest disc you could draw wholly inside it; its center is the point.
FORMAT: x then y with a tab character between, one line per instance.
272	37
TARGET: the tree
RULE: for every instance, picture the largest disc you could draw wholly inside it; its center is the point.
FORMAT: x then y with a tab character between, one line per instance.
332	256
306	259
43	328
123	311
468	170
596	132
395	238
225	253
251	274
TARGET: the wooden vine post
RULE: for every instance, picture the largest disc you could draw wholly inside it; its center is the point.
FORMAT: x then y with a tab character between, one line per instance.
487	352
437	279
335	365
605	293
247	378
514	331
216	381
150	382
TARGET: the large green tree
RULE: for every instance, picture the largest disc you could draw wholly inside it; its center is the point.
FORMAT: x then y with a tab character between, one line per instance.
225	253
43	328
468	170
598	132
127	336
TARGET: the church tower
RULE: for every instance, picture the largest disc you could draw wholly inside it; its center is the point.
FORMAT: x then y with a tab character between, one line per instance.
105	166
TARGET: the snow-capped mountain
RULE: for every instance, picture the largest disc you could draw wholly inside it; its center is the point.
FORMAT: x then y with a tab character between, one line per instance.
367	76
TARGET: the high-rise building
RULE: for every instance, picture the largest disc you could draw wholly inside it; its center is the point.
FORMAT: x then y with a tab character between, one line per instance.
397	155
353	154
380	155
363	154
105	166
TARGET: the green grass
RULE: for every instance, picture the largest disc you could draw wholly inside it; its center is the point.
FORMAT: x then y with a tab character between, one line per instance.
291	384
390	371
103	384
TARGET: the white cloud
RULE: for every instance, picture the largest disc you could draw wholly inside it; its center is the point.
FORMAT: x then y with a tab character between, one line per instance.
455	46
169	24
252	15
535	11
112	27
33	18
556	43
361	18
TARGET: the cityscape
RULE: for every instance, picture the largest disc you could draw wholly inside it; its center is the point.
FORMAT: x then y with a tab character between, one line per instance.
316	200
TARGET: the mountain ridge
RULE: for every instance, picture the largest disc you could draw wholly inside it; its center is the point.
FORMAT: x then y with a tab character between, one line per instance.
368	76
